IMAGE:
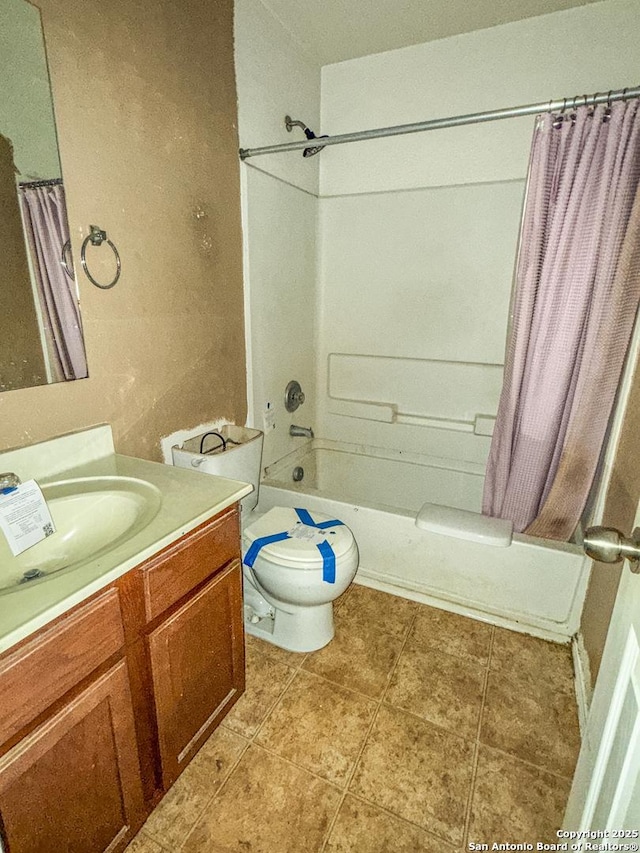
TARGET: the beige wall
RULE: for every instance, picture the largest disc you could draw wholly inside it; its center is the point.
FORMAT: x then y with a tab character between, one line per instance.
146	111
620	509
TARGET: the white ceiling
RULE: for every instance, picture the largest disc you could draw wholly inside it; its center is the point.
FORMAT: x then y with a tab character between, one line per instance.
334	30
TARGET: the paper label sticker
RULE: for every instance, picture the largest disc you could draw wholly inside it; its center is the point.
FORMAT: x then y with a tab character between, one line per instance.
269	418
309	534
25	519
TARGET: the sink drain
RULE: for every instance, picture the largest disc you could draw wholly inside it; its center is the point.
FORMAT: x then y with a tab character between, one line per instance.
31	575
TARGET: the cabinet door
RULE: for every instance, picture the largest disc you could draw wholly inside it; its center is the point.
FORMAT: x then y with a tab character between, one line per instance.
197	663
73	784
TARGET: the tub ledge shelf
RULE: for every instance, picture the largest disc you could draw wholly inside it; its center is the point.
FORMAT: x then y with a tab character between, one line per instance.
464	524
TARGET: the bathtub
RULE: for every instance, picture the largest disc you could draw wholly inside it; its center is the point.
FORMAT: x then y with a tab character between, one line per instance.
534	585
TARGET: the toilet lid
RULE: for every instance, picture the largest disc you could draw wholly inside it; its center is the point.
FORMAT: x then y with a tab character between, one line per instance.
300	549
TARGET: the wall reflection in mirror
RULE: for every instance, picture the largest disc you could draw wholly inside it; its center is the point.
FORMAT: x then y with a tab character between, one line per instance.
40	329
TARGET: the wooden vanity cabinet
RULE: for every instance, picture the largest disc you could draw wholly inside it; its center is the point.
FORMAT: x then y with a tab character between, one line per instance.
197	664
101	710
74	783
69	774
193	638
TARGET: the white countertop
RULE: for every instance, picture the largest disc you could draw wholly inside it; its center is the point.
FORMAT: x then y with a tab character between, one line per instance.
188	499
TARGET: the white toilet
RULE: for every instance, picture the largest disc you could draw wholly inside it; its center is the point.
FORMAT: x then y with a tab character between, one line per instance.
295	563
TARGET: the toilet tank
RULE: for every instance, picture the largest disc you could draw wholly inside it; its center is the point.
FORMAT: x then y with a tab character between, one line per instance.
230	451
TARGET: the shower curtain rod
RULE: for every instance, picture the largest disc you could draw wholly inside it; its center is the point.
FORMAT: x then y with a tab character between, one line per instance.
452	121
30	185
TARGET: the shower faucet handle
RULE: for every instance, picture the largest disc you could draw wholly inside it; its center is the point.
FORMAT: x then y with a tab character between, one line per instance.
293	396
609	545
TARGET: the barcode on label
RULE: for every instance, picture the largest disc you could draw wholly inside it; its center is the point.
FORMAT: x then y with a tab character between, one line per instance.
47	529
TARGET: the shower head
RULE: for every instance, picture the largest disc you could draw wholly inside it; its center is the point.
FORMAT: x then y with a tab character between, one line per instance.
290	123
314	149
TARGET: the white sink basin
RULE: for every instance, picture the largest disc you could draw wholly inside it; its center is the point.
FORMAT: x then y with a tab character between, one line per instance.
92	515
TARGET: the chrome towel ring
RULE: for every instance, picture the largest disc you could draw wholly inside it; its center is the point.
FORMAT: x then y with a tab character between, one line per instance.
67	263
97	237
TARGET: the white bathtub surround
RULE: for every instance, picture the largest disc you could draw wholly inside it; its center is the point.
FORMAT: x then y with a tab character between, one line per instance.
280	277
279	220
418	233
532	586
413	318
430	392
388	479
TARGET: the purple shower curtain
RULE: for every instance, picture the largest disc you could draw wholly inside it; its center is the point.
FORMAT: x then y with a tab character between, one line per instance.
577	293
45	219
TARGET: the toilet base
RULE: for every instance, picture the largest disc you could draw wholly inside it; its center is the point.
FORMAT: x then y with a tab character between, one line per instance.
299	629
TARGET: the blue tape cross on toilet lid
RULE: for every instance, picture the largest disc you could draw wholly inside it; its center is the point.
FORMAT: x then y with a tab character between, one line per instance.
305	517
257	544
325	549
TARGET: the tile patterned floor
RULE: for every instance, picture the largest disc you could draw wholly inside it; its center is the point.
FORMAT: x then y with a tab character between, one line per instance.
414	730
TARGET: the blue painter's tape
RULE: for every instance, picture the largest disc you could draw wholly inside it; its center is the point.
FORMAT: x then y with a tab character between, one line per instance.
328	562
257	544
305	518
8	490
327	552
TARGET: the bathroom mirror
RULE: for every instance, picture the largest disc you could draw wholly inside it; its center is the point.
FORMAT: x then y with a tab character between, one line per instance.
40	329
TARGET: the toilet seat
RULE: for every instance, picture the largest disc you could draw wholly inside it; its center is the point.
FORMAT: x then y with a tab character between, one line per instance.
300	549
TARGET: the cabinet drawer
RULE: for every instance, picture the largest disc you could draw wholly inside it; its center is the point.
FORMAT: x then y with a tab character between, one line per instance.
181	567
42	670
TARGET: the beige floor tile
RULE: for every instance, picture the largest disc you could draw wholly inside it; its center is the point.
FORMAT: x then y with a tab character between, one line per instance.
319	725
417	771
449	632
363	828
266	806
514	802
266	680
176	814
411	786
255	644
439	687
540	661
389	614
143	844
359	657
532	721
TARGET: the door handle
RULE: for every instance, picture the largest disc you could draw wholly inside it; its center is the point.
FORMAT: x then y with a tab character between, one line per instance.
608	545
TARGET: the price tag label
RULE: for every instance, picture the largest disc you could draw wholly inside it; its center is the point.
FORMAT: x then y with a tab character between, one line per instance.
309	534
25	519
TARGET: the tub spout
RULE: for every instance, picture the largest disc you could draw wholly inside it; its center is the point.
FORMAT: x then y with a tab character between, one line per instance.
300	432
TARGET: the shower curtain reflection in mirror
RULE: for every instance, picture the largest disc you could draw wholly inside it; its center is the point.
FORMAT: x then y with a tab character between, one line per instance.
47	231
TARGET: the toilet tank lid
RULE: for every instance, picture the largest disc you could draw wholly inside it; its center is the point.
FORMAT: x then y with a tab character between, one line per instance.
301	545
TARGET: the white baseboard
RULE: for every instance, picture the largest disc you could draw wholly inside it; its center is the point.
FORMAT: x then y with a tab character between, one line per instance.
582	673
373	580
